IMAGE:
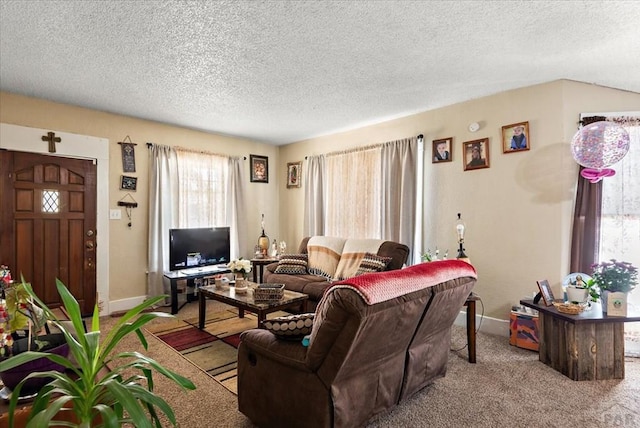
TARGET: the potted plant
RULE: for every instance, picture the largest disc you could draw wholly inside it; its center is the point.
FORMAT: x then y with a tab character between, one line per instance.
241	268
123	393
21	324
614	276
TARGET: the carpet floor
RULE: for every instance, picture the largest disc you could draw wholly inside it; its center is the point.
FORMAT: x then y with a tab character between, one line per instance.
507	387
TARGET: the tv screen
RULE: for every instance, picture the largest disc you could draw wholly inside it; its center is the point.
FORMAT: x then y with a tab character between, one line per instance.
196	247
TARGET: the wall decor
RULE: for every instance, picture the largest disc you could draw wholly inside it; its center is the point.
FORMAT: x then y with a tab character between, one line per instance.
515	137
442	150
128	183
294	174
475	154
259	168
128	155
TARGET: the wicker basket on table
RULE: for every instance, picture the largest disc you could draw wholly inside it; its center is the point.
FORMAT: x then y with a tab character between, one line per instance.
569	308
268	292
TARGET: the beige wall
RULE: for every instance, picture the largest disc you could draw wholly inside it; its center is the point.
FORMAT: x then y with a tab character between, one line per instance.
518	211
128	246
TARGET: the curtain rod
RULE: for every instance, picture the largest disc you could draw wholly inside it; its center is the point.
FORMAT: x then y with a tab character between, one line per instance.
355	149
149	145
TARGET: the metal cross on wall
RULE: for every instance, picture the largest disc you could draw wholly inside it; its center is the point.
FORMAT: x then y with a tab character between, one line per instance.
52	139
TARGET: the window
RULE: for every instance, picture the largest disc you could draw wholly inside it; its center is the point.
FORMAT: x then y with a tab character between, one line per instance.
202	184
50	201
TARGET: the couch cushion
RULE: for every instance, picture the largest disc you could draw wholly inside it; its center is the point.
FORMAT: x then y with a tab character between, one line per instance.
324	255
292	264
292	327
353	252
372	263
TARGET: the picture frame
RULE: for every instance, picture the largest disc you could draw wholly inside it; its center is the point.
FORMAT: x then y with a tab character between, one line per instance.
128	183
294	174
259	168
442	150
546	292
475	154
516	137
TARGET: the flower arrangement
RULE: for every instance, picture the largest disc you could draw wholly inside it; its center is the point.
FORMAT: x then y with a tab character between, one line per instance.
18	315
240	265
429	256
615	276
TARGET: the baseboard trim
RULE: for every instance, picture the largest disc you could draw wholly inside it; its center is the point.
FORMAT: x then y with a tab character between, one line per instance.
487	325
123	305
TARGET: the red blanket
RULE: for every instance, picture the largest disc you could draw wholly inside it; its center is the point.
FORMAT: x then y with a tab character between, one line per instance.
379	287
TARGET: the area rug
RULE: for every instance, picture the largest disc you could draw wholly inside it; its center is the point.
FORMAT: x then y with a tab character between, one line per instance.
213	349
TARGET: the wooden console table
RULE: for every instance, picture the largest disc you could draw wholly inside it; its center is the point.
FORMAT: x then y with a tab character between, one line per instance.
586	346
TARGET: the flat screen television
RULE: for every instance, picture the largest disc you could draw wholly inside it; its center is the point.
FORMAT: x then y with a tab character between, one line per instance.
197	247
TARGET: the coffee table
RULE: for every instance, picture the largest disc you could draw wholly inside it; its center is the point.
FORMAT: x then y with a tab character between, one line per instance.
586	346
245	302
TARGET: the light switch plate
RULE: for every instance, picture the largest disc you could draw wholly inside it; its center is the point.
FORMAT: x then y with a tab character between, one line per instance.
115	214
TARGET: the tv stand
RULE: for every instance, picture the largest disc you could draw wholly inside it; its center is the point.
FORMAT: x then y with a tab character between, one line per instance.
192	274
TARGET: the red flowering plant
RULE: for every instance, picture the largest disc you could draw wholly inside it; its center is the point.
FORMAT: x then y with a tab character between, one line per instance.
19	317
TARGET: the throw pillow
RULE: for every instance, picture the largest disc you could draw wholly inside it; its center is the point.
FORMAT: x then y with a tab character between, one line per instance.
372	263
292	327
292	264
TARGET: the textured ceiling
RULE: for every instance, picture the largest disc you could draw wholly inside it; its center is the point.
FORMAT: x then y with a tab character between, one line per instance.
284	71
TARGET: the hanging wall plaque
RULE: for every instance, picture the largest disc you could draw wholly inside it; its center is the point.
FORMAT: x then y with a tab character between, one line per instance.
128	155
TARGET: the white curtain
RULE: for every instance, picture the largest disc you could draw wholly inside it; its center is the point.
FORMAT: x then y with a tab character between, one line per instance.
314	196
163	213
620	221
368	192
354	193
236	213
202	185
399	169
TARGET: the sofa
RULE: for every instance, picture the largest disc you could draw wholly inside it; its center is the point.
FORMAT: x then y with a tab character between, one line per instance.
322	260
376	340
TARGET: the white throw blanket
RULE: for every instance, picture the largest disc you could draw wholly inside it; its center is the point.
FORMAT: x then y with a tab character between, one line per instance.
352	254
324	255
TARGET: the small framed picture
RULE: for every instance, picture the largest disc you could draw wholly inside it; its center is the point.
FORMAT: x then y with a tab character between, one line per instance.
294	174
546	292
259	169
515	137
442	150
128	183
476	154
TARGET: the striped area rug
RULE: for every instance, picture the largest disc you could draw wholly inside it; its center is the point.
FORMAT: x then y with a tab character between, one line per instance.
213	349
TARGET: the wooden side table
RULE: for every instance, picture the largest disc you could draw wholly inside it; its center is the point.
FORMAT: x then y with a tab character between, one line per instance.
586	346
257	266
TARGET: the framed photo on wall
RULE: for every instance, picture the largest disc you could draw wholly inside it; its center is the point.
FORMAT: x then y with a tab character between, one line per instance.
294	174
547	293
442	150
515	137
259	168
128	183
475	154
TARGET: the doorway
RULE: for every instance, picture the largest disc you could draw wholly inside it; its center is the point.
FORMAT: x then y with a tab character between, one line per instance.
49	224
74	147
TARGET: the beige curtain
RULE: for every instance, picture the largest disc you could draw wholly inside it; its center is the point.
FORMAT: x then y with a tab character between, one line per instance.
163	214
236	212
314	196
368	192
399	169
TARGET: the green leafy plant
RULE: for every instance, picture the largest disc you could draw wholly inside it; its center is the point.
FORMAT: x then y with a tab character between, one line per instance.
116	387
615	276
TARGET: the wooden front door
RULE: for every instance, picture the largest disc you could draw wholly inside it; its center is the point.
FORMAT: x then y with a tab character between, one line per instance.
48	231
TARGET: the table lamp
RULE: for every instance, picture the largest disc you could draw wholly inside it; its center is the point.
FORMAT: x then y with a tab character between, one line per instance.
460	229
263	241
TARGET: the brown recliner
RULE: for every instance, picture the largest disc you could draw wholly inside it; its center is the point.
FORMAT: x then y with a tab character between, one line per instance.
377	339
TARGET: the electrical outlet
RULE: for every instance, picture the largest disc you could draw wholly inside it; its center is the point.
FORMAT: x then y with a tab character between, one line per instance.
115	214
